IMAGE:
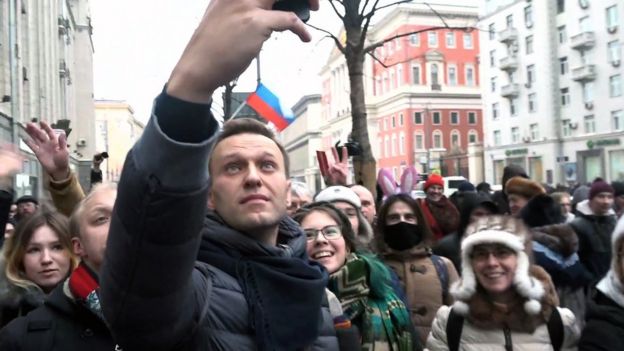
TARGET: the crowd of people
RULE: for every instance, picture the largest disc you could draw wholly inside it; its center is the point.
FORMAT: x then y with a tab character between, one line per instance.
206	244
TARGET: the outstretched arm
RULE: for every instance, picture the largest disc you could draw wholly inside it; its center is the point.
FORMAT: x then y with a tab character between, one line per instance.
149	293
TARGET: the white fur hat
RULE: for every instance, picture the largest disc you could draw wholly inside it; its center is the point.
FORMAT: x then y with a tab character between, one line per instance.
339	193
511	233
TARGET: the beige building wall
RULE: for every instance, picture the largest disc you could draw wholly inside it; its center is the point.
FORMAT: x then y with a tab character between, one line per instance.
117	131
51	78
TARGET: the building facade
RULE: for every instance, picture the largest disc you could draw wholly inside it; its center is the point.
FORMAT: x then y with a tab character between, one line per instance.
302	139
426	90
46	73
551	76
116	132
422	92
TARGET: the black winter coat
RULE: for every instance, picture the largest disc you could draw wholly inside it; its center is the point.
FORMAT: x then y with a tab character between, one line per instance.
16	302
604	330
594	234
58	325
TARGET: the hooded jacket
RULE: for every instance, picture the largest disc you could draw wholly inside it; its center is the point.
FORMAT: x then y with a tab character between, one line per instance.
72	328
420	281
153	297
594	234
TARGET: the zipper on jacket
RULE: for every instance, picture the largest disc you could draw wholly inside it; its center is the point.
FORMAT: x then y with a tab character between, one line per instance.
508	344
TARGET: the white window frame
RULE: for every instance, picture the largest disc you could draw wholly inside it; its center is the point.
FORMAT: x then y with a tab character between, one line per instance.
589	123
432	39
438	133
515	135
414	39
534	131
474	133
453	82
418	80
617	118
451	118
615	85
453	42
469	82
401	143
468	41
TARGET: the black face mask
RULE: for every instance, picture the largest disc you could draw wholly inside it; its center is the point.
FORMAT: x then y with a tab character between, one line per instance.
403	236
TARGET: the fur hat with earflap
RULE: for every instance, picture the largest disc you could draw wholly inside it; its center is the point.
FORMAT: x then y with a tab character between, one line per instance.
513	234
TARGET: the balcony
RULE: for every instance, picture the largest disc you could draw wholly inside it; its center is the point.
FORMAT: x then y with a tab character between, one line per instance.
508	35
509	64
583	41
586	73
510	90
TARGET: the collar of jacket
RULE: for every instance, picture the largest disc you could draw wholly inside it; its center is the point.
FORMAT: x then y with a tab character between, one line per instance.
583	209
291	241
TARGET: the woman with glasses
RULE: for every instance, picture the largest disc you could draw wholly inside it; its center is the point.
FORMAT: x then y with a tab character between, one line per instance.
502	301
360	281
605	309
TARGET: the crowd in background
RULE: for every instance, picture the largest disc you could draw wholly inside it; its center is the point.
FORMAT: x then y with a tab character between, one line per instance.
205	243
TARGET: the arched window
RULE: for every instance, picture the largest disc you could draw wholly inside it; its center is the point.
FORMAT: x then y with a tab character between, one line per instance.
434	74
473	136
437	140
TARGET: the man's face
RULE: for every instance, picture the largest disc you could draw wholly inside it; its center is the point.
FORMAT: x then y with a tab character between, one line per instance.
516	203
26	209
296	202
250	190
601	203
435	192
368	203
94	223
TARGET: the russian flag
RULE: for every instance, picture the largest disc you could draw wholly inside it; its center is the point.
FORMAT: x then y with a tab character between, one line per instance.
267	105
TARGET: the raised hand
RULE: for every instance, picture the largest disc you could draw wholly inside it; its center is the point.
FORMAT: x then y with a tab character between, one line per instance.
50	150
229	36
10	161
338	171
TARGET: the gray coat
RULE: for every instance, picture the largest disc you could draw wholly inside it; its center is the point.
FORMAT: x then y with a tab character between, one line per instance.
154	295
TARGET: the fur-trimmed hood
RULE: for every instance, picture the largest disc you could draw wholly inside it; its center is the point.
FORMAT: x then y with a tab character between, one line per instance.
560	238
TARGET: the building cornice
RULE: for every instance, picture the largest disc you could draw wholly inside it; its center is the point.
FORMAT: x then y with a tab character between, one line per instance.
300	106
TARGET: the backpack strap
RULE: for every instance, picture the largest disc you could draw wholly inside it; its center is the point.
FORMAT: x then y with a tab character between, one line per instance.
443	275
39	331
454	327
555	329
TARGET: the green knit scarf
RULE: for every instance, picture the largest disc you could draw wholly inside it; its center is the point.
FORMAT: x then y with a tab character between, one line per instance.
363	287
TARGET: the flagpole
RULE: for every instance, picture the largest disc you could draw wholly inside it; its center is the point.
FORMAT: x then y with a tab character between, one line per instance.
238	110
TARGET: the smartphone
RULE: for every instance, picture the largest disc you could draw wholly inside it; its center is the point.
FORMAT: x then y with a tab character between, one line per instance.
300	7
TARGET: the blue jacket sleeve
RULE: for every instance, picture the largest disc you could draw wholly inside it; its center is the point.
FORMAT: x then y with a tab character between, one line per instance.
149	292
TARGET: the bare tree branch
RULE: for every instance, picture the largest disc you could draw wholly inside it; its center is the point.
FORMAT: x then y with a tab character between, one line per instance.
372	12
437	14
331	2
330	35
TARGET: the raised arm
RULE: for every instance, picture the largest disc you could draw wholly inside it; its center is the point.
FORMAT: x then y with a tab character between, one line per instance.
149	294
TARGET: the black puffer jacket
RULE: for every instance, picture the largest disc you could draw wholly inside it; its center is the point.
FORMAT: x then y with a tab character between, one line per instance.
153	297
58	325
594	234
604	330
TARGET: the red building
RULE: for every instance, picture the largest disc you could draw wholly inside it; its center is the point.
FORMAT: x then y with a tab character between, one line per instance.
425	92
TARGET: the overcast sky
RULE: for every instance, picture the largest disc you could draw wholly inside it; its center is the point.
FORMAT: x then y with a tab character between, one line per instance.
138	42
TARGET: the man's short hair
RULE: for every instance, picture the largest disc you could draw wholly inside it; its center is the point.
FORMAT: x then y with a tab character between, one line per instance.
75	220
248	126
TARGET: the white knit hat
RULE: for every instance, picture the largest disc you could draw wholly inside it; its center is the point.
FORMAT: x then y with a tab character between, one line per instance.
511	233
339	193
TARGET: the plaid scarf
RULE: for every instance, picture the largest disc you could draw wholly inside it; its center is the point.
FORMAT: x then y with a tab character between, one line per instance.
383	320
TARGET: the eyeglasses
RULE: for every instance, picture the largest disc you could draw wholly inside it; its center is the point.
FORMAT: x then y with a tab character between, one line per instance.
330	232
483	254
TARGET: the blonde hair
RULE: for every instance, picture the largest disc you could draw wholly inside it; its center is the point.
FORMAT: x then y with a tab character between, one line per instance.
76	217
15	247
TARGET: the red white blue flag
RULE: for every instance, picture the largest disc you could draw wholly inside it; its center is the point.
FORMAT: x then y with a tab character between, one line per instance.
267	105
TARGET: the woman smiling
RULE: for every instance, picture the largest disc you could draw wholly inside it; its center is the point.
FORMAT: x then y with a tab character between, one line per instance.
502	301
360	281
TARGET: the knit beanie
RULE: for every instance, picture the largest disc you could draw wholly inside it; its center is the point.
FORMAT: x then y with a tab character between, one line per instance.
466	186
523	187
511	233
600	186
339	193
433	179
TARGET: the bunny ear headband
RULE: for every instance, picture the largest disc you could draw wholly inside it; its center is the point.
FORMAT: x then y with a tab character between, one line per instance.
389	186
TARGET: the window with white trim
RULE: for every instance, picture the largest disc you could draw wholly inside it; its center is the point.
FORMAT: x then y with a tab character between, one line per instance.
450	39
432	38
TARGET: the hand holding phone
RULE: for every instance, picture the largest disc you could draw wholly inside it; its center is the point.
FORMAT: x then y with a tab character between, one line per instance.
300	7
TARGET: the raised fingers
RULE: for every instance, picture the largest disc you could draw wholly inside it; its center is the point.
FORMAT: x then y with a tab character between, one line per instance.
48	130
345	155
335	154
279	21
36	133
